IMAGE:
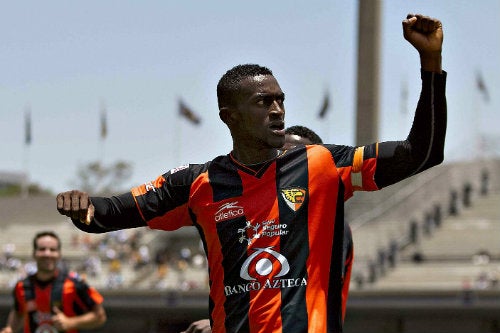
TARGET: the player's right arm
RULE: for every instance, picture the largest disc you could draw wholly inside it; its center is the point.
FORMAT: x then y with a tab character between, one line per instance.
99	214
164	197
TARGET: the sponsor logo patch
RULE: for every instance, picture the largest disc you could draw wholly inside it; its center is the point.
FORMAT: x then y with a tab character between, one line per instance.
264	269
229	210
267	228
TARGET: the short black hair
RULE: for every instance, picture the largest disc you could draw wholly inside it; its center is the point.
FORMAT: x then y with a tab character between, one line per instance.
229	83
46	233
305	133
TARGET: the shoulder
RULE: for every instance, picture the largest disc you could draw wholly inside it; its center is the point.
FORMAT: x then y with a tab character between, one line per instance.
74	276
186	173
76	279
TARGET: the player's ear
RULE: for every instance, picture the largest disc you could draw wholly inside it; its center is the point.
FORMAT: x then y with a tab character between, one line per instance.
227	115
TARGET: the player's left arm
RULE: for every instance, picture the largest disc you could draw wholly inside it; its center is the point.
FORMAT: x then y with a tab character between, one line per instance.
424	146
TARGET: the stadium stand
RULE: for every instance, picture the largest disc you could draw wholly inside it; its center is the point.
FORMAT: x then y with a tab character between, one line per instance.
433	225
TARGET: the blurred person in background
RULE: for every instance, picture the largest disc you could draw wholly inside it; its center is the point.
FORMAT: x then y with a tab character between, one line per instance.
52	299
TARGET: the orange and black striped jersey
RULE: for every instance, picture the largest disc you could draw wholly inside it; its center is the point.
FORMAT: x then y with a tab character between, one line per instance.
273	235
35	300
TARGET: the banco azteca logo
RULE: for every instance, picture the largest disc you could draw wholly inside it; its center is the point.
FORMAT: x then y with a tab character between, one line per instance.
294	197
262	263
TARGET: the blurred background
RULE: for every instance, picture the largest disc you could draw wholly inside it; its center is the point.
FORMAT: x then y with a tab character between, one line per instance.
106	95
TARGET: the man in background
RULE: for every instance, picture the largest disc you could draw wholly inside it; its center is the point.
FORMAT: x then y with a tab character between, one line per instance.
51	299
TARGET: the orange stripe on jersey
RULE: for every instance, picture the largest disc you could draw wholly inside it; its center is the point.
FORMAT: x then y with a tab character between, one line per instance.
321	236
172	220
265	304
144	188
204	193
357	162
357	167
19	295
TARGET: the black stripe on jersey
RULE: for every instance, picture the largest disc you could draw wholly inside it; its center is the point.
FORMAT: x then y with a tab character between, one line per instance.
226	183
211	304
292	172
56	294
235	254
342	155
370	151
29	295
334	306
224	179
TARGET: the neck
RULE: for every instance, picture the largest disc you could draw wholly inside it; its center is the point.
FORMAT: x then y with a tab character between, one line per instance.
255	157
46	276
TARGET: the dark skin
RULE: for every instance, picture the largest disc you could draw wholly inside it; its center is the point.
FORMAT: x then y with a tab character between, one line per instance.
257	122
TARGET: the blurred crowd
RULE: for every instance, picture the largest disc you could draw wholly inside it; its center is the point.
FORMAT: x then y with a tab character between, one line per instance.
120	259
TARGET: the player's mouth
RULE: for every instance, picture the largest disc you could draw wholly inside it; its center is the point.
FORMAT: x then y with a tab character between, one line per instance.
278	128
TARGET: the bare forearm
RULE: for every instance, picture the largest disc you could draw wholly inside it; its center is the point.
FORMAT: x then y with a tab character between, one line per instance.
14	322
90	320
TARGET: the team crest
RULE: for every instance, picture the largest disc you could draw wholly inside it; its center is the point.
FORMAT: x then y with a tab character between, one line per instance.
294	197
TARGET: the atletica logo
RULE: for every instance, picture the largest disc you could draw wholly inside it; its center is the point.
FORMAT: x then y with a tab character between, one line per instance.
260	270
229	210
294	197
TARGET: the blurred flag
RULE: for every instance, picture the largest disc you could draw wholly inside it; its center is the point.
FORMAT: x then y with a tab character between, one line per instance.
325	106
27	126
188	113
104	124
481	86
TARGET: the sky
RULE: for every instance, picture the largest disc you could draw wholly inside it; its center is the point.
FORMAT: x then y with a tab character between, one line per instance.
64	60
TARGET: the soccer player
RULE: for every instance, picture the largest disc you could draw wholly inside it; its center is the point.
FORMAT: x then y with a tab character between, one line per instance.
271	220
52	300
